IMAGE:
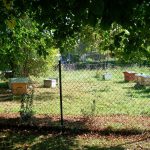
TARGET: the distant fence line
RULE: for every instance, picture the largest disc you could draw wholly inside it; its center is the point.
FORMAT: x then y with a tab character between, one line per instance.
98	65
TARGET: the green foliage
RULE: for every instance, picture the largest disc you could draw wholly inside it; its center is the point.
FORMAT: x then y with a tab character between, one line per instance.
25	48
134	46
26	111
90	39
64	19
39	66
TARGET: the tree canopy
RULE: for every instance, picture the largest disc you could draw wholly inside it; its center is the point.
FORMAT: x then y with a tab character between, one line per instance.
64	18
67	16
22	46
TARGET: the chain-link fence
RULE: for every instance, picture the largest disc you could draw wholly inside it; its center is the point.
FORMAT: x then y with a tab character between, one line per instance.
107	95
92	96
33	100
110	91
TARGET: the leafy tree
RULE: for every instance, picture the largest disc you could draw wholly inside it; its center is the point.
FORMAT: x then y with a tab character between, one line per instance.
67	17
64	18
135	46
24	47
93	39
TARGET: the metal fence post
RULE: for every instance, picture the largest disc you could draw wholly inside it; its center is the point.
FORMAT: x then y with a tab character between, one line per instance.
60	90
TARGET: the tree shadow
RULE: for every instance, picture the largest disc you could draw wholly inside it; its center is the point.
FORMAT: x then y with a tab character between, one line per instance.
50	136
57	142
121	82
45	96
139	91
50	140
34	140
143	92
103	148
72	125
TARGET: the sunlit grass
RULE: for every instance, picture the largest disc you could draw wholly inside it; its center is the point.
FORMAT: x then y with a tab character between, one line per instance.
86	93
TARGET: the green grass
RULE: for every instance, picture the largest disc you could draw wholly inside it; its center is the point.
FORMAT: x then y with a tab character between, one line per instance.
27	140
83	92
86	93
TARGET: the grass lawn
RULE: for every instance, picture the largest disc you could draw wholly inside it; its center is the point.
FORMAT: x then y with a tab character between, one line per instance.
27	140
112	105
86	93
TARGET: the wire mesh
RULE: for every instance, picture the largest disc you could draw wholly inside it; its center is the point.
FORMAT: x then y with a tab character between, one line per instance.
34	102
94	96
106	95
106	91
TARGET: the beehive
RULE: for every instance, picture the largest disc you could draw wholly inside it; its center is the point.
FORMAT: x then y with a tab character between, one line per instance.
129	76
145	80
18	86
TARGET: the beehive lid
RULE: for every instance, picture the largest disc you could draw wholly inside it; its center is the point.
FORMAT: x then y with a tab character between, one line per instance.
131	71
19	80
148	76
140	74
144	76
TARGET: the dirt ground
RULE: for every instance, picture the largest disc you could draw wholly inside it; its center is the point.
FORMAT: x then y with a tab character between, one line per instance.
116	132
113	122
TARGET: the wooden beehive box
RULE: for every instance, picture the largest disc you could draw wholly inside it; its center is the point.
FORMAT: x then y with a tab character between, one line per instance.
129	76
138	78
19	86
50	83
107	76
145	80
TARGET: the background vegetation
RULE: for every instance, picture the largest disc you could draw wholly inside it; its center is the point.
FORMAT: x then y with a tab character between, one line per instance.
29	30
